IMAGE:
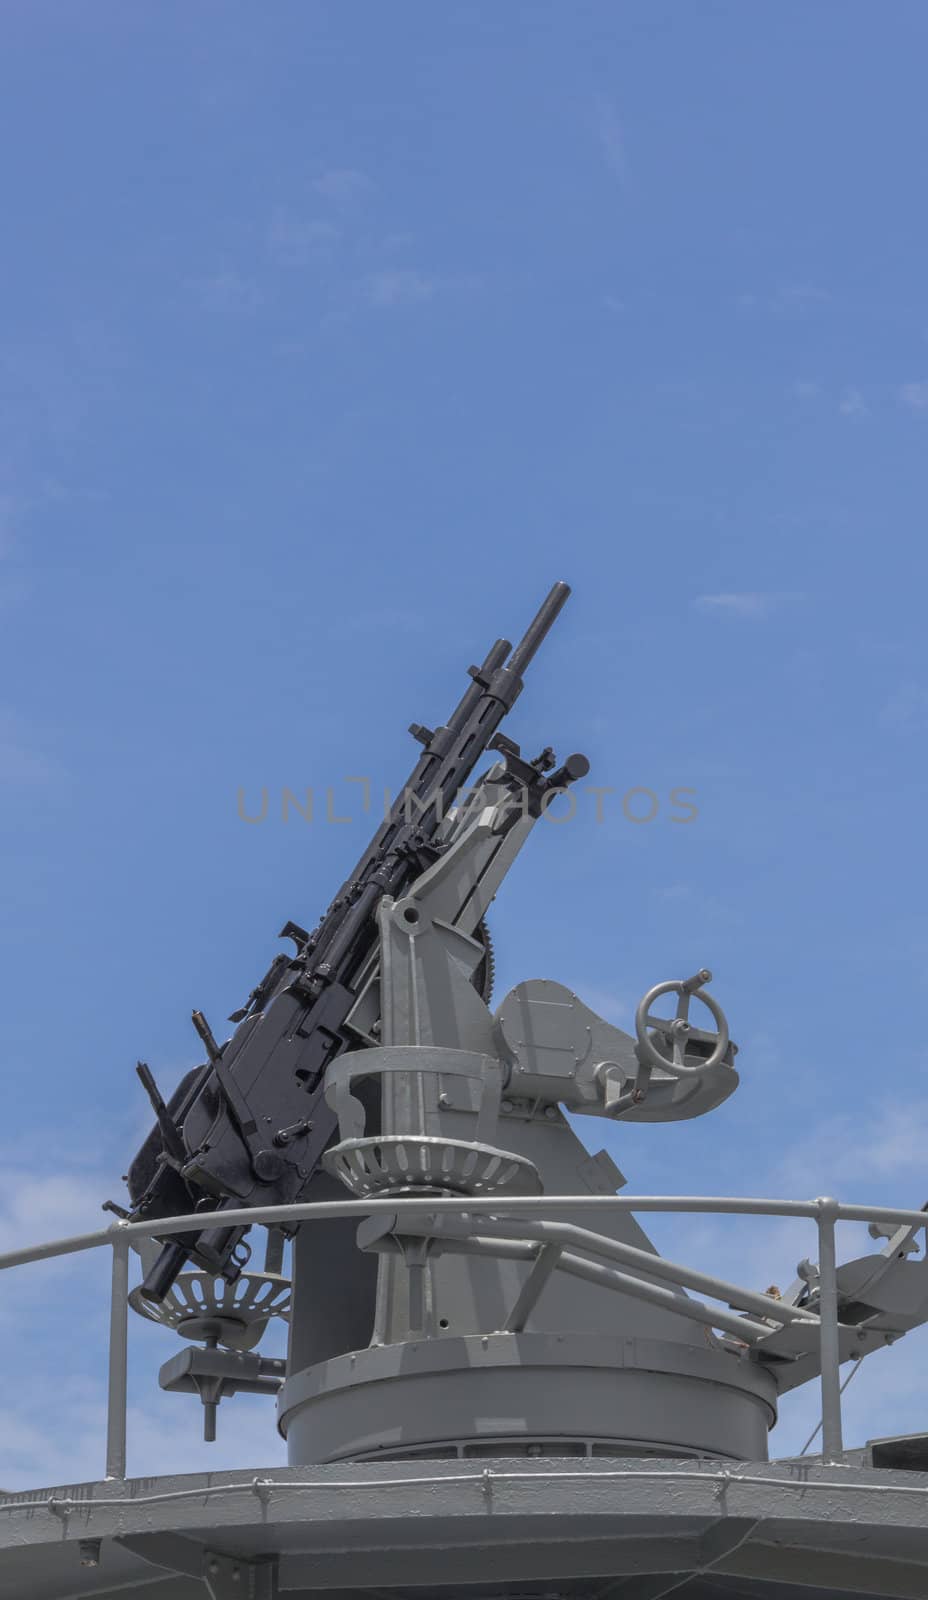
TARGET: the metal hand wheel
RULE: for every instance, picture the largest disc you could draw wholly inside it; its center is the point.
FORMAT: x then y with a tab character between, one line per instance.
679	1030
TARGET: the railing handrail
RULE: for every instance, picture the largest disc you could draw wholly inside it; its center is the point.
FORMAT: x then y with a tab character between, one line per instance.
320	1210
824	1211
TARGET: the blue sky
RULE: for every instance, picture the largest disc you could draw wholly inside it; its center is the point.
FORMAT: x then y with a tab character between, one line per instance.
331	336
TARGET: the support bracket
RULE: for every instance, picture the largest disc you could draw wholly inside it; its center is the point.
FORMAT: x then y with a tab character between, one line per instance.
237	1578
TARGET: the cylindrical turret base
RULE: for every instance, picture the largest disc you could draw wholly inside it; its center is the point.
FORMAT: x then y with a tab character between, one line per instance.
537	1393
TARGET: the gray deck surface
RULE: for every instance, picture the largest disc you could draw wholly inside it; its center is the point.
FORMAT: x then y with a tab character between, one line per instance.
459	1530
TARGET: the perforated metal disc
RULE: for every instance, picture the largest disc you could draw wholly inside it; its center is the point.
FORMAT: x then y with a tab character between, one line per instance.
198	1306
400	1163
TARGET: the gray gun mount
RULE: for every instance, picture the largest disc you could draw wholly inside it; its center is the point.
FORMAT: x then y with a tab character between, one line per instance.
249	1126
494	1332
492	1378
489	1318
470	1102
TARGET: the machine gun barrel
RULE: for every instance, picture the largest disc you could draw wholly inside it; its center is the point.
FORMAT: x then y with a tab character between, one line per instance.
294	1023
427	783
450	756
538	629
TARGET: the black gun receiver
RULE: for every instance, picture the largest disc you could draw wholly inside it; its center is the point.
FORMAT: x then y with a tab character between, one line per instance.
248	1127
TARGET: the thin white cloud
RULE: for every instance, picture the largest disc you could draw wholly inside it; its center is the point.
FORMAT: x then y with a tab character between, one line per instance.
787	299
749	603
294	241
228	293
846	1151
9	514
906	710
853	404
57	1438
852	1156
341	183
53	1432
20	761
800	296
397	242
35	1208
611	138
915	395
390	619
613	1007
402	287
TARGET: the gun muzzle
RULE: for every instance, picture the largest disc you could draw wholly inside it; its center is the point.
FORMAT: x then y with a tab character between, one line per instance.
537	629
158	1282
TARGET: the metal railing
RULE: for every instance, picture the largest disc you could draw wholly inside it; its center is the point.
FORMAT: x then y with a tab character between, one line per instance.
825	1212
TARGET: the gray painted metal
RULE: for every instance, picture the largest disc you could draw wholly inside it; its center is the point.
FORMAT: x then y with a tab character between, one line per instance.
563	1052
350	1293
505	1393
321	1211
830	1351
118	1360
471	1104
469	1531
199	1307
438	1076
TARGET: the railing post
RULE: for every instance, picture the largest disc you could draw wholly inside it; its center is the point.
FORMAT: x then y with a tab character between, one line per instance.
829	1346
118	1358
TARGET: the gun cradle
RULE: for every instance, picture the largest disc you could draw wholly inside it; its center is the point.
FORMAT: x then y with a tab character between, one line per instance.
252	1125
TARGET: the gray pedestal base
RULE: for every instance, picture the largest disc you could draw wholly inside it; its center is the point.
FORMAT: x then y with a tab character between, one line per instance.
502	1394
